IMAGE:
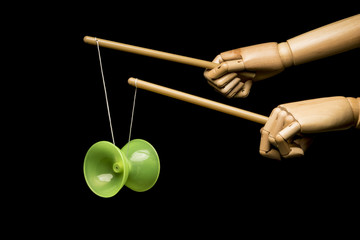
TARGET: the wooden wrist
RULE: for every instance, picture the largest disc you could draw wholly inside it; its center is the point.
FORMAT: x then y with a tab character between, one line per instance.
285	54
355	105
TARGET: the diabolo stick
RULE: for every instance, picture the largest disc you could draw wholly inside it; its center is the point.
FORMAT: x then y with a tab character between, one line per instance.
150	52
198	100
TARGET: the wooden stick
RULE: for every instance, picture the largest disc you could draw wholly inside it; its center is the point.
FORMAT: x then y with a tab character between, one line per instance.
171	92
198	101
150	52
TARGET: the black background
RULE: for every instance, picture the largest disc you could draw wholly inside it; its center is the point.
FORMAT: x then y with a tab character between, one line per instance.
209	161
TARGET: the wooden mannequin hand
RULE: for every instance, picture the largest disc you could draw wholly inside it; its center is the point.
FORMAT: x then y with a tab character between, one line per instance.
284	134
239	67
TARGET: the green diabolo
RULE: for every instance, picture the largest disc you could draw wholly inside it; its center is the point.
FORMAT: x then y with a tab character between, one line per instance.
107	168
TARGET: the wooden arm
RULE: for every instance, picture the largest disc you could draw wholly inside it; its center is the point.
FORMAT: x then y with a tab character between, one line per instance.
323	42
198	101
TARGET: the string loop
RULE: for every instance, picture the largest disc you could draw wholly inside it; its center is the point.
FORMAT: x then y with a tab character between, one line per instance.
107	101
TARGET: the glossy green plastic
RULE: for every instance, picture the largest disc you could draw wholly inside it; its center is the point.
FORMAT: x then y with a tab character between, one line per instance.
107	168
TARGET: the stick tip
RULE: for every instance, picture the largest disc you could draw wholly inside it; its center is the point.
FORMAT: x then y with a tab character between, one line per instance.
131	81
89	40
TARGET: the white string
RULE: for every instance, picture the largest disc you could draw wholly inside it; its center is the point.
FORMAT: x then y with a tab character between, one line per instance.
132	117
106	97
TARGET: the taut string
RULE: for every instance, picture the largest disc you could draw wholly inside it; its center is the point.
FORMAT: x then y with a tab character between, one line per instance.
132	117
106	97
